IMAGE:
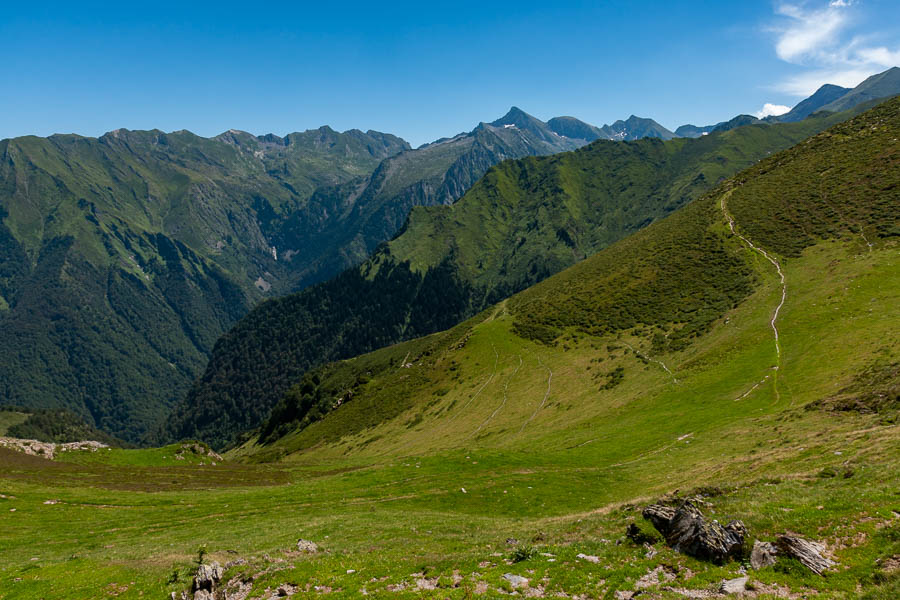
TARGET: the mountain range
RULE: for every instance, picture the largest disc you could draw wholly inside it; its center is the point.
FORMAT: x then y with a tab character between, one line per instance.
671	322
829	97
124	257
523	221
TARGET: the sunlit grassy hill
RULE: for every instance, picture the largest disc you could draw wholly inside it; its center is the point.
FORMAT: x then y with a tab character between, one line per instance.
672	320
523	221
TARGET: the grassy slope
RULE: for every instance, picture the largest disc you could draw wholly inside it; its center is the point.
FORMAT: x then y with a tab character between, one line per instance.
545	449
522	222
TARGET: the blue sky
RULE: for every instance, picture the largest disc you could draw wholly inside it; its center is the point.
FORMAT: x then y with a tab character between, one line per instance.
423	70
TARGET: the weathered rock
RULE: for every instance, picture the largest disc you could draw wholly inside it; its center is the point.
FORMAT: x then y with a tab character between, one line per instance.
48	450
688	531
808	553
516	581
659	516
589	558
660	574
734	586
307	546
206	581
763	555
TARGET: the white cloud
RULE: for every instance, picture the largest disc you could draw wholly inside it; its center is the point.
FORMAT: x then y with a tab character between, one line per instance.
817	40
808	32
771	110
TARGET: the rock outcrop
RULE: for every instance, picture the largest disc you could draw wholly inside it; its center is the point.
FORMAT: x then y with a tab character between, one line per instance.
687	530
808	553
763	555
206	582
48	450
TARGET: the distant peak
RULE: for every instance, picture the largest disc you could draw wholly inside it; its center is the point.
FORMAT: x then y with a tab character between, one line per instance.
515	116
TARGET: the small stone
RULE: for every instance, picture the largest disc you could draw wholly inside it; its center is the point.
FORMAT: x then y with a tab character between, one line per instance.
762	555
307	546
511	541
588	557
426	584
734	586
516	581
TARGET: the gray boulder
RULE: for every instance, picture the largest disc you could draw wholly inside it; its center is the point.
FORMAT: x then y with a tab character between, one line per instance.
688	531
763	555
734	586
206	581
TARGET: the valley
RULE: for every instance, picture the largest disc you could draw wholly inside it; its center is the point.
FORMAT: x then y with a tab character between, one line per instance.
740	352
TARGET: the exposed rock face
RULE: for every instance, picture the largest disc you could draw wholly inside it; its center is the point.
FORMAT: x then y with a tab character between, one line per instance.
763	555
808	553
688	531
307	546
659	516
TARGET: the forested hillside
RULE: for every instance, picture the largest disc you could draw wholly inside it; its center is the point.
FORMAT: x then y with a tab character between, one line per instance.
124	257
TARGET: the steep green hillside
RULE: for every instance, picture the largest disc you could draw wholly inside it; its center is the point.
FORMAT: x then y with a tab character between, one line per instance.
687	306
123	258
523	221
351	219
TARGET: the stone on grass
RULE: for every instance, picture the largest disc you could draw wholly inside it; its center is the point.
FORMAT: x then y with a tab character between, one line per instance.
763	555
737	585
206	581
307	546
808	553
689	532
516	581
588	557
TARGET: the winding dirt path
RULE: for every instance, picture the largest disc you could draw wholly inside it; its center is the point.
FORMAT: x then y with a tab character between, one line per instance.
503	403
648	358
546	395
476	394
772	260
730	220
